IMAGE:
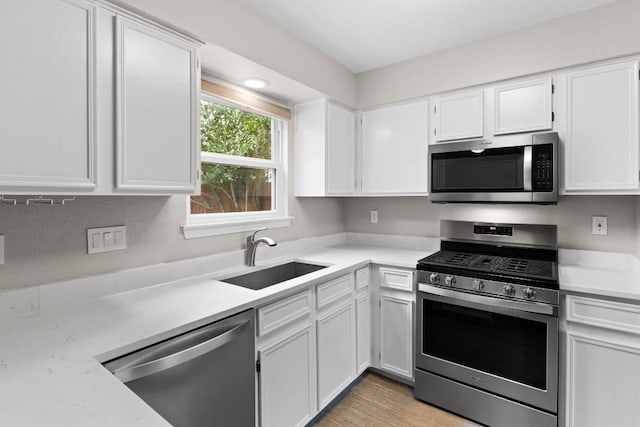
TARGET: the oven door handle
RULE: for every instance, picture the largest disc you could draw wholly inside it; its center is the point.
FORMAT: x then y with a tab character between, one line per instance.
531	307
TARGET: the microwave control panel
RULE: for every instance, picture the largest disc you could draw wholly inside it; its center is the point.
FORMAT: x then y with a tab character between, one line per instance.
543	168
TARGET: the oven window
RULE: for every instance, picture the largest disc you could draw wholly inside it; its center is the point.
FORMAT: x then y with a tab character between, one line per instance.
507	346
493	170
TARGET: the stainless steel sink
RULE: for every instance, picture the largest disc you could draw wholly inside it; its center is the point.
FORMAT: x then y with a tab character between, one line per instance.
273	275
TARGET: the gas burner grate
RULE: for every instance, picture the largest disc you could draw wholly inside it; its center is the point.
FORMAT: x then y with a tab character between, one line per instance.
449	258
484	262
525	267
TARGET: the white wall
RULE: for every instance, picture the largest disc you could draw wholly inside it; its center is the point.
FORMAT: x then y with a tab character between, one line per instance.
241	29
416	216
48	243
592	35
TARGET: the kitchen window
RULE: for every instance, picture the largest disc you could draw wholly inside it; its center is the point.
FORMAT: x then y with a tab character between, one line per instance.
242	178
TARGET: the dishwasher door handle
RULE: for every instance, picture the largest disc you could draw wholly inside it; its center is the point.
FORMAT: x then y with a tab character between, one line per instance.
131	373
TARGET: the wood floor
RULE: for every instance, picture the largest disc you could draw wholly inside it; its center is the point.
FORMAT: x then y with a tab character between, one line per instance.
378	401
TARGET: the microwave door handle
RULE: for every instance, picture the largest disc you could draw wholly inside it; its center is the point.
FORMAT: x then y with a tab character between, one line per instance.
527	168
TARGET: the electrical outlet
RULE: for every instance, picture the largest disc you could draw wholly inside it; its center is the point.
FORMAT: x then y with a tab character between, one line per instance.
106	239
374	217
599	225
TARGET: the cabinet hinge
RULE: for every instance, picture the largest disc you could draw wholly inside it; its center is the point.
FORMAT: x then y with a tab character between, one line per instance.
638	74
380	356
434	131
258	366
434	109
553	116
553	88
379	303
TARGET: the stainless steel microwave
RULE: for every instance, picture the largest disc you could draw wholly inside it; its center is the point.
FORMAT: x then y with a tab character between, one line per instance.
514	169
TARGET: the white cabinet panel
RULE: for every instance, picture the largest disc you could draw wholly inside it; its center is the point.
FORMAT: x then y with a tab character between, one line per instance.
286	381
341	137
523	106
283	312
334	290
157	110
396	279
394	149
363	335
602	383
336	352
601	147
396	337
324	149
459	116
47	108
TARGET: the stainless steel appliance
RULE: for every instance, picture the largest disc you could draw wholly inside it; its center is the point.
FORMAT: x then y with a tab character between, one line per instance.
512	169
205	377
487	324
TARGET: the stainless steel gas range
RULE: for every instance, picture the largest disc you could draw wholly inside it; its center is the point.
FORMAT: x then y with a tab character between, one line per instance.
487	324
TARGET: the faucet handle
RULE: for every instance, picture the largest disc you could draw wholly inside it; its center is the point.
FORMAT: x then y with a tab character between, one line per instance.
252	236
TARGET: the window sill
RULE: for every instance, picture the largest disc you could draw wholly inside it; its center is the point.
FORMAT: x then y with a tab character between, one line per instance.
194	231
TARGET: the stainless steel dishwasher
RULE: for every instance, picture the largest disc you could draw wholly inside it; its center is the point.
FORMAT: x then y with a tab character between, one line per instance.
205	377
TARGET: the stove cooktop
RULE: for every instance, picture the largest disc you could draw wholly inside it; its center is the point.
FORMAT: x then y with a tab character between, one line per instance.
518	265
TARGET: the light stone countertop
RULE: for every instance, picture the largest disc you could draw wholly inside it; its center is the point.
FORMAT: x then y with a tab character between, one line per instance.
50	362
600	274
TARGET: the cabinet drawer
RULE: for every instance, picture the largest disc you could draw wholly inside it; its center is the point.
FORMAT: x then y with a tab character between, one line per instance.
396	279
605	314
283	312
334	290
362	278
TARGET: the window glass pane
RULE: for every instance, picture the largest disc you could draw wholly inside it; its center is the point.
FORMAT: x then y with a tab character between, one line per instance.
227	188
226	130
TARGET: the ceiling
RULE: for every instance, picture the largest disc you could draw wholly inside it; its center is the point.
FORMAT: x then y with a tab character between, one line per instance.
365	34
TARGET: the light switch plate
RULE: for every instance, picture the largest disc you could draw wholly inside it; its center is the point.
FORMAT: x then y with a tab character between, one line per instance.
599	225
1	250
106	239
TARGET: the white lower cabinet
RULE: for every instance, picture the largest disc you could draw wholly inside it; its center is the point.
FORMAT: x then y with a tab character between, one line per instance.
310	347
336	352
363	331
396	337
602	363
286	383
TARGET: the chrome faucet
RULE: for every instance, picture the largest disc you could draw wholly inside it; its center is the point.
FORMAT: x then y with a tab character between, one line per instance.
252	245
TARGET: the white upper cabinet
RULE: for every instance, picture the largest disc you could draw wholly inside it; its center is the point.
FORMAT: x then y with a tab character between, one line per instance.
523	106
394	149
157	110
95	100
48	105
601	144
324	149
458	116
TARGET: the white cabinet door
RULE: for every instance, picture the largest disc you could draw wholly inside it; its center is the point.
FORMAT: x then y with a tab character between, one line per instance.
341	139
523	106
157	110
363	336
324	149
286	381
459	116
601	147
336	352
47	107
396	337
394	149
602	383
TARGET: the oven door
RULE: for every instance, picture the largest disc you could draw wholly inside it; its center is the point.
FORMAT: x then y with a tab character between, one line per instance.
476	341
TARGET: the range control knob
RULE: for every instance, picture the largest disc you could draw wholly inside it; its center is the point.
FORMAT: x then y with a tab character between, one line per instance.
509	290
529	293
434	278
478	284
450	281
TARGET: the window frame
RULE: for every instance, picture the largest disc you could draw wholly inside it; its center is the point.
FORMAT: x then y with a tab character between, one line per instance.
203	225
